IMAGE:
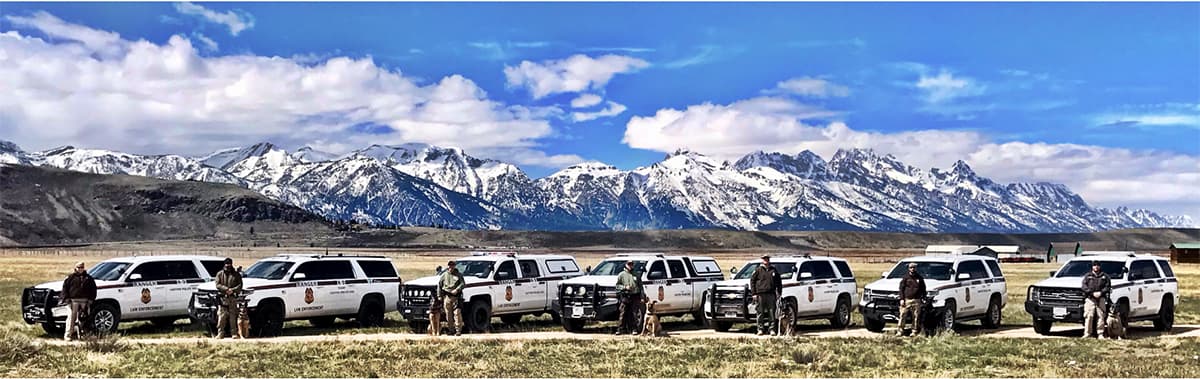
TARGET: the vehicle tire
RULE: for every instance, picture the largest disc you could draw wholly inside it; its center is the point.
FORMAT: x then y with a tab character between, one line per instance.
511	319
698	318
722	326
163	322
873	324
573	325
370	313
478	316
1042	326
1123	309
841	313
54	329
419	327
994	314
1166	315
105	318
555	317
322	322
945	321
267	320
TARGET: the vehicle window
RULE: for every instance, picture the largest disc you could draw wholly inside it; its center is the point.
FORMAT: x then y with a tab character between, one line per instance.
506	271
181	270
1143	270
819	269
151	271
614	267
785	270
706	267
1166	268
974	268
558	266
1079	268
928	270
529	268
270	270
326	270
213	267
678	270
657	266
378	269
843	269
108	270
478	269
995	267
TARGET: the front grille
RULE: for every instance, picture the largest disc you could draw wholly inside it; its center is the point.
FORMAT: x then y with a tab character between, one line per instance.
418	295
581	294
207	298
38	296
1060	296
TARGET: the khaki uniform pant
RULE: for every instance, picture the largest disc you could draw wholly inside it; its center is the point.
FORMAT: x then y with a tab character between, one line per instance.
1093	309
912	307
452	313
78	310
227	315
766	312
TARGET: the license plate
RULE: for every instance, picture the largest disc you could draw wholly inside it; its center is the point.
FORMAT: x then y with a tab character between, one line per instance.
1060	312
731	315
576	312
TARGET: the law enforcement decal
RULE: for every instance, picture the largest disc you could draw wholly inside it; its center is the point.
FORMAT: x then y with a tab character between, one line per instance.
146	296
508	293
308	296
661	294
810	294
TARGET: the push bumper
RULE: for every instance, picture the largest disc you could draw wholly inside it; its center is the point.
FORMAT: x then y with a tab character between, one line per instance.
413	312
1058	313
592	312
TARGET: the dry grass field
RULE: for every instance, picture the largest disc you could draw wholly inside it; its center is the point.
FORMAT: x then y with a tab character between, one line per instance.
23	353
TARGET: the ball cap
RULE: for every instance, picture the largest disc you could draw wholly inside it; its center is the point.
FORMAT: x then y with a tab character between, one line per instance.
228	261
912	265
766	258
450	263
78	264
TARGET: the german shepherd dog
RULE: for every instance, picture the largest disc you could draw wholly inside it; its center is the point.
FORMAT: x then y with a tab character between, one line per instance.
653	326
1115	327
435	317
787	320
243	324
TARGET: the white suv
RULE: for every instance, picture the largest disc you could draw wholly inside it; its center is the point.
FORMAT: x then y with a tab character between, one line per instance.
813	288
155	288
959	288
319	288
506	285
1144	288
678	283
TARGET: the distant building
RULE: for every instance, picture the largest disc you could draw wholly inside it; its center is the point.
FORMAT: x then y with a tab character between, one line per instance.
1005	253
1185	252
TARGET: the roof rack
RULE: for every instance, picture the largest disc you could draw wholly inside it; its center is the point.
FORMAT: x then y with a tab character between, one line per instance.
493	253
338	255
660	255
804	255
1108	253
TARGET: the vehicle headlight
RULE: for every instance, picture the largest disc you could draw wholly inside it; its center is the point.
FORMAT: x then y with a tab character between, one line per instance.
569	290
583	291
1033	293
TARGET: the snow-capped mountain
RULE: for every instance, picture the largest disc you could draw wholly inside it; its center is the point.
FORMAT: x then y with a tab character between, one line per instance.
417	184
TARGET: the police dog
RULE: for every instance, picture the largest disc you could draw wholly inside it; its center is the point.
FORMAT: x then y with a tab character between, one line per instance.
653	326
243	324
435	317
1115	327
787	320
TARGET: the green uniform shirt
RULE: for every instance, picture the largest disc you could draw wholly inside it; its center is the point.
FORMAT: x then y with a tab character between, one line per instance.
626	281
452	283
229	279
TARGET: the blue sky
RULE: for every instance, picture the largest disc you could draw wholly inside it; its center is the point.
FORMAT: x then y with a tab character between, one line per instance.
1103	97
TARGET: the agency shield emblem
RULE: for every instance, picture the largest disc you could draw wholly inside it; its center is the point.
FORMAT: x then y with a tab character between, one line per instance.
508	293
811	295
308	296
661	294
145	296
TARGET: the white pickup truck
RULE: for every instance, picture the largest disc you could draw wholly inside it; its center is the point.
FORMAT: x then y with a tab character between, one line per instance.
1144	288
813	288
504	285
678	283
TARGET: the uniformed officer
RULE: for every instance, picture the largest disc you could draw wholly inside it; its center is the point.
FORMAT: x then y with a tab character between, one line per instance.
630	296
450	290
229	287
1096	288
912	299
765	285
78	293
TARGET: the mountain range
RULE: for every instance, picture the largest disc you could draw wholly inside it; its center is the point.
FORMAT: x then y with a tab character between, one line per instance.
418	184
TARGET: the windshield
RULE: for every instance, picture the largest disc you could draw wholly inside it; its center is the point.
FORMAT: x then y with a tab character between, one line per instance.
785	270
928	270
1077	269
108	270
270	270
478	269
614	267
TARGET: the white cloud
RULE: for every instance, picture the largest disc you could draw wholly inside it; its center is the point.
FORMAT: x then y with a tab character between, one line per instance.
102	42
811	87
1169	114
586	100
574	74
612	110
156	98
945	87
1104	176
236	21
207	42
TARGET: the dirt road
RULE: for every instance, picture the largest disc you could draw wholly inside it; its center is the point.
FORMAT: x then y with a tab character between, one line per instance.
1135	332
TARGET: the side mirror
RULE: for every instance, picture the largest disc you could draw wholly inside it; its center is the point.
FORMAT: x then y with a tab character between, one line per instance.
1052	274
883	275
964	276
439	270
805	275
657	275
1124	269
135	277
299	276
588	269
733	270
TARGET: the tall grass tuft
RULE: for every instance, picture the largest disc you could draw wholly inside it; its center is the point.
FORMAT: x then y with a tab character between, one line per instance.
16	347
104	343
